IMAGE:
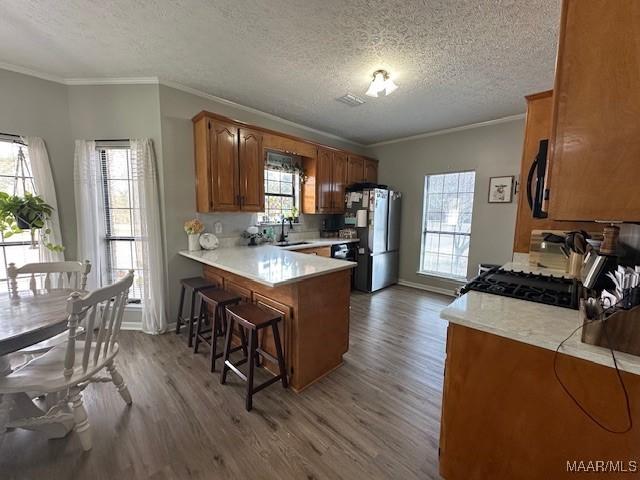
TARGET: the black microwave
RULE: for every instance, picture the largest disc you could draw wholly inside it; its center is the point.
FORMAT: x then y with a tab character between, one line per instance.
536	193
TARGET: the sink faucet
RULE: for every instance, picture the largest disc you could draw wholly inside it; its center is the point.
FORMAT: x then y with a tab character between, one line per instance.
283	237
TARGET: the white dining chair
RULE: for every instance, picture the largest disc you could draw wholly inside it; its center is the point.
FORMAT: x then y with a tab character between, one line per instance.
67	369
69	274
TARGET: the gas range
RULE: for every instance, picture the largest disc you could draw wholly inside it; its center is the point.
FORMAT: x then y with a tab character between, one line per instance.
550	290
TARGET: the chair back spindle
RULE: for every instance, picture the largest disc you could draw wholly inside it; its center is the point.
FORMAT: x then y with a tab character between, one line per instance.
56	275
105	305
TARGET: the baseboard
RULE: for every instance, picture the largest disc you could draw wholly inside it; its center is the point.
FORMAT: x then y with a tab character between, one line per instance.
137	326
428	288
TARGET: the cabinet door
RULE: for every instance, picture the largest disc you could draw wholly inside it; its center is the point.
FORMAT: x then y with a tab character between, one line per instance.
251	168
324	185
355	169
224	165
339	180
266	340
370	171
595	144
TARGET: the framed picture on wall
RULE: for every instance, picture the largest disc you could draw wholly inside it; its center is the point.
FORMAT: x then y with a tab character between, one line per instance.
501	189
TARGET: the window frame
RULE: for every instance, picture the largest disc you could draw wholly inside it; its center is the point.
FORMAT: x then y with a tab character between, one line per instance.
294	195
109	238
4	243
426	231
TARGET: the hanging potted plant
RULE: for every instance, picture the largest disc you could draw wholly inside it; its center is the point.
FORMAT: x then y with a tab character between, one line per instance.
30	212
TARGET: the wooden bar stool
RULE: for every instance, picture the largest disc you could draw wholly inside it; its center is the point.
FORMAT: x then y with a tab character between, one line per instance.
252	318
195	284
218	300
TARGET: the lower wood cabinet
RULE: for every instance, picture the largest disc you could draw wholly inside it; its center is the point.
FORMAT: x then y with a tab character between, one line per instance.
321	251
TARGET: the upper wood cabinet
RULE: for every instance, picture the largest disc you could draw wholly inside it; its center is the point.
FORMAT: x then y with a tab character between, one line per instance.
324	189
230	162
355	169
229	167
370	170
537	127
289	145
595	142
251	163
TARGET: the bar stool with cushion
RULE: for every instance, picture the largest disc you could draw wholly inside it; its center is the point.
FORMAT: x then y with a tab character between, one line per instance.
195	284
218	299
252	318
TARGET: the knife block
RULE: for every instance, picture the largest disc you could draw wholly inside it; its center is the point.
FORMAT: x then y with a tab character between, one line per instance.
623	330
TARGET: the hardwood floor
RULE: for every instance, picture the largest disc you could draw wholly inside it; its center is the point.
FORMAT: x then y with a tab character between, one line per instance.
376	417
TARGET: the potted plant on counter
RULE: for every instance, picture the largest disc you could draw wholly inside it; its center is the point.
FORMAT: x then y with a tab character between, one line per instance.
30	212
193	228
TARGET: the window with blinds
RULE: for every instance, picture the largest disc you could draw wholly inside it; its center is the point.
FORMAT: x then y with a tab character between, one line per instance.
446	225
16	178
120	202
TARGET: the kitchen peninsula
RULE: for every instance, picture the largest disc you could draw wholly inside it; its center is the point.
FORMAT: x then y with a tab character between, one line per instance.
311	292
504	413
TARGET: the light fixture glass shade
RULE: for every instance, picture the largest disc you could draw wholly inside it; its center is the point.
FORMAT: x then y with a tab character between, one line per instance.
381	83
377	84
389	86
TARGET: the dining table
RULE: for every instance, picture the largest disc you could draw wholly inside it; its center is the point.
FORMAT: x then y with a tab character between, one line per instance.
25	320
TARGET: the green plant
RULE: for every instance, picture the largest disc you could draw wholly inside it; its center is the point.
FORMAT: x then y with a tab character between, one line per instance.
30	212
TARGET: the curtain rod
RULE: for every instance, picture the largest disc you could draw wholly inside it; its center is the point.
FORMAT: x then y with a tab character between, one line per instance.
113	140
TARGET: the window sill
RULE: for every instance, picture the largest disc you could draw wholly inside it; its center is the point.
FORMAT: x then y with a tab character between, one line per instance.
277	224
449	278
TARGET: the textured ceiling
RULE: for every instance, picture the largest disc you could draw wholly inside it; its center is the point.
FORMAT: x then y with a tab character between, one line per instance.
456	61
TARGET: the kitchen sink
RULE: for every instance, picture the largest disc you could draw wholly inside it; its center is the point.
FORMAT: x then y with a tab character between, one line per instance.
291	244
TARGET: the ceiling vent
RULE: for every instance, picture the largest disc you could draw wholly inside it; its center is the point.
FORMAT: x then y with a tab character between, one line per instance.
351	100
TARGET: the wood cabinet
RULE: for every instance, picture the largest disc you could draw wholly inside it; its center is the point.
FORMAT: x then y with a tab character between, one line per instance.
289	145
321	251
325	188
230	160
355	169
506	416
370	170
537	127
595	142
229	167
251	171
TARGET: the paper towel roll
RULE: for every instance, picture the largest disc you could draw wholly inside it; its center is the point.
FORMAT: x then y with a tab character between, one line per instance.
361	218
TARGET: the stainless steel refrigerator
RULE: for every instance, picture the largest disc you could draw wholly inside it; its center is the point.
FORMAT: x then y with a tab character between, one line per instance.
375	213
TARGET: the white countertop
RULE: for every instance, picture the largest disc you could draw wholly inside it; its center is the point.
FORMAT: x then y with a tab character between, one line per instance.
532	323
272	266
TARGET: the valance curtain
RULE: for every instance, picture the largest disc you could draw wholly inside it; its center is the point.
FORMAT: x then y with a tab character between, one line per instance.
146	225
148	233
45	188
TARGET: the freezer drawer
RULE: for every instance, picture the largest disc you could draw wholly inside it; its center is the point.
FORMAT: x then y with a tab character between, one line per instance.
376	271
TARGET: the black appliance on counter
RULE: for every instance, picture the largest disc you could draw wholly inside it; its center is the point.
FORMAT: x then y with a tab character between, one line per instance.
536	197
547	289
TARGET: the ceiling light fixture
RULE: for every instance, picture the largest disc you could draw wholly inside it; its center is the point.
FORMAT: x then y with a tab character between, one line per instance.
381	83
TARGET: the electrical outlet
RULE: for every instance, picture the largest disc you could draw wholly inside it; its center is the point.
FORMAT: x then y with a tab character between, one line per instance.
217	228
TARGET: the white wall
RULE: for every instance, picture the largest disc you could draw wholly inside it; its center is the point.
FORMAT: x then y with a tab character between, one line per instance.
493	150
31	106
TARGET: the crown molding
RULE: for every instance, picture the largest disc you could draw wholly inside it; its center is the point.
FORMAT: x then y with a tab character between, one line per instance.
112	81
32	73
461	128
208	96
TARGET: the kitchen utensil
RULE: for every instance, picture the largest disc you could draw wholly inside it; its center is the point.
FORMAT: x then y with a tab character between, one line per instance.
575	264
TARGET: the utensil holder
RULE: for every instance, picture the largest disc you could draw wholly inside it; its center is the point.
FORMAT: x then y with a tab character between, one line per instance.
622	330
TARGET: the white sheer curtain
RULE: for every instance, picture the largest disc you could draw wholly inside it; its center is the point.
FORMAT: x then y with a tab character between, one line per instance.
89	210
43	181
148	233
